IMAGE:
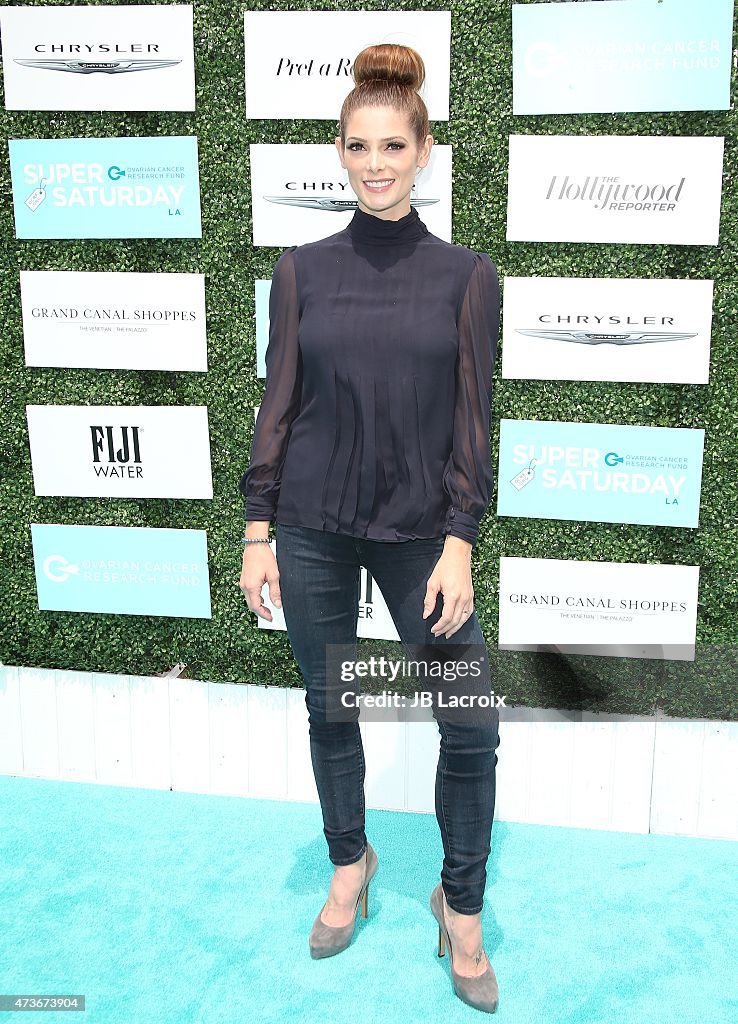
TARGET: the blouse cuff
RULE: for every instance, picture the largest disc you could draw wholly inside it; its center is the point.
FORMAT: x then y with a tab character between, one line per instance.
259	509
461	524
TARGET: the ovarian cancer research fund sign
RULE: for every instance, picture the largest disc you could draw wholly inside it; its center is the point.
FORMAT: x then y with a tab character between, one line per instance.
106	188
600	472
621	55
125	570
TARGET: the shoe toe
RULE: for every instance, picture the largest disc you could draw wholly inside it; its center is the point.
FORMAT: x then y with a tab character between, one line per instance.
327	941
480	992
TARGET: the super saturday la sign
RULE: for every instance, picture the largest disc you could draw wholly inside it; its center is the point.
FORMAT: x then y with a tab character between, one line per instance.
600	472
144	187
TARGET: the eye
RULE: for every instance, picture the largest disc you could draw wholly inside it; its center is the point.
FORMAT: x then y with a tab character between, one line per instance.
355	146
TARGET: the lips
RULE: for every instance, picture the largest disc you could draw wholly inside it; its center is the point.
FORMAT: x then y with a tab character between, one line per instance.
379	185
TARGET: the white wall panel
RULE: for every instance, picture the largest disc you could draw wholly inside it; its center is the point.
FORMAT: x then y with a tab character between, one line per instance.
190	734
594	771
151	738
384	751
112	711
677	771
267	742
38	720
229	734
11	745
718	807
300	780
75	706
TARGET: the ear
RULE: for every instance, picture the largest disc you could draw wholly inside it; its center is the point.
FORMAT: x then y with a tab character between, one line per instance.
339	147
425	151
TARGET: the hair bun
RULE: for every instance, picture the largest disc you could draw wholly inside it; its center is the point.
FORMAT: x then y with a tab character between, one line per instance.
389	62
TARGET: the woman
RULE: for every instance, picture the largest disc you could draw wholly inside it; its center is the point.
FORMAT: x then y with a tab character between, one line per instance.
372	447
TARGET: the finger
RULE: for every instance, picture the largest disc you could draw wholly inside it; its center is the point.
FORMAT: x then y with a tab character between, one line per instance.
451	608
431	596
458	620
255	603
456	627
466	614
262	609
275	594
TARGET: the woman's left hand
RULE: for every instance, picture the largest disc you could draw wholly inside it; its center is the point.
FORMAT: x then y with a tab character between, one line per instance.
452	577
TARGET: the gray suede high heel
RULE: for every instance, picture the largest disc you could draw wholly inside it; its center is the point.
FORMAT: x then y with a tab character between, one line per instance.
480	992
327	940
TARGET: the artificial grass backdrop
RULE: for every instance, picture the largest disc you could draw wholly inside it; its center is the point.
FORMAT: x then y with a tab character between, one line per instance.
229	646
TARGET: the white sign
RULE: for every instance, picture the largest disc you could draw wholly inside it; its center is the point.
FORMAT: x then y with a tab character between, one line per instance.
300	193
262	289
617	609
620	329
114	321
615	188
298	63
132	451
90	57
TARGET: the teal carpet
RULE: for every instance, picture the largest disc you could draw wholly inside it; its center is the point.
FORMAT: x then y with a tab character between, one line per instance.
189	909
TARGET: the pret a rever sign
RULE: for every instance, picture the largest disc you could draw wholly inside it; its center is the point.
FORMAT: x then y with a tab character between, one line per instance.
299	63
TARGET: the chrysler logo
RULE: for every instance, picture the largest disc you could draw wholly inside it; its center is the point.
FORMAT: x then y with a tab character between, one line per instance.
609	337
334	205
88	67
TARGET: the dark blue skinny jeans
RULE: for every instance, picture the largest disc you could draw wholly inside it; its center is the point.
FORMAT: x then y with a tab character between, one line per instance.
319	581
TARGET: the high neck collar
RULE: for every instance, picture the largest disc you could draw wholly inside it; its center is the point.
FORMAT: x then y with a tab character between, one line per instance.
373	230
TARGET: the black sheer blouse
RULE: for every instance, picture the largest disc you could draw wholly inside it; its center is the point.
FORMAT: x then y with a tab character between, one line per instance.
375	420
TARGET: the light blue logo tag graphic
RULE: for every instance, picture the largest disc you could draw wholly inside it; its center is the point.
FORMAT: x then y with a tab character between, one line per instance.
621	55
106	188
262	290
122	569
600	472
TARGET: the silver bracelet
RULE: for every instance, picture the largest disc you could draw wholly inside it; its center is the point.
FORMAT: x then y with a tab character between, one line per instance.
255	540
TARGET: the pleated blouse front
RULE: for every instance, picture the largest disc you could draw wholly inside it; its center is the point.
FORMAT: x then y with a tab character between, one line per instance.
375	419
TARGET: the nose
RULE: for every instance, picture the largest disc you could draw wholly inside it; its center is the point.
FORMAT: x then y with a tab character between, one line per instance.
376	160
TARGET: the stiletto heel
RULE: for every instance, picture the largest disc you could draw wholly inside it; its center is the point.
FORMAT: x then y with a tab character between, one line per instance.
327	940
480	992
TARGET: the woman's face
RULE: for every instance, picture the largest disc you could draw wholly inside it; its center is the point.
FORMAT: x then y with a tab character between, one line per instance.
381	149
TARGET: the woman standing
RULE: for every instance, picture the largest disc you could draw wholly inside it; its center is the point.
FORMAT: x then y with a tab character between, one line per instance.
372	447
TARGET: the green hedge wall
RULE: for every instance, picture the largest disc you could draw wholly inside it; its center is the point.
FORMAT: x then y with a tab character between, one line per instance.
230	647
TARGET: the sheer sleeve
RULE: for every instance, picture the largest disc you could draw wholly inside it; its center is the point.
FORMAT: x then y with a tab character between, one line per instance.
281	401
467	475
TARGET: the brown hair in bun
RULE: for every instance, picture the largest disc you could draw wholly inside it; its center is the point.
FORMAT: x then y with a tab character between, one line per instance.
388	75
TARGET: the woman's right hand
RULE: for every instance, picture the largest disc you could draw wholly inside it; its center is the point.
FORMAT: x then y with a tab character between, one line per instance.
260	567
